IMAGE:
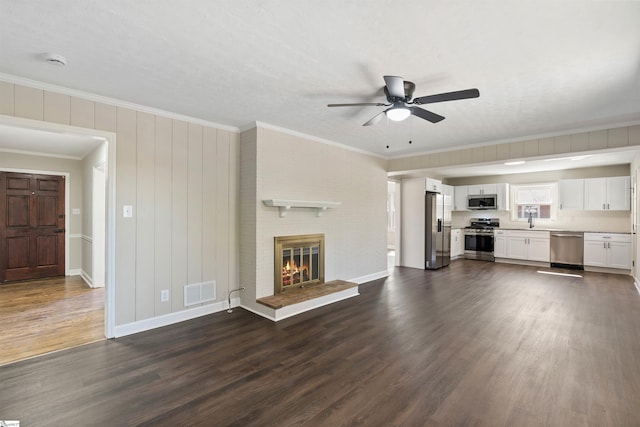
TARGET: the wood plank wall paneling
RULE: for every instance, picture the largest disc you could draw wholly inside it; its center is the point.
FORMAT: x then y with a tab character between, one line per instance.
28	102
126	186
145	216
233	225
598	140
209	199
634	135
106	118
7	99
194	209
162	210
179	213
222	213
82	113
57	108
182	180
620	137
580	141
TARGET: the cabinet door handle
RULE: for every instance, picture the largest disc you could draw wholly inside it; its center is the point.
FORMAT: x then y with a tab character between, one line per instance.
605	245
607	206
604	206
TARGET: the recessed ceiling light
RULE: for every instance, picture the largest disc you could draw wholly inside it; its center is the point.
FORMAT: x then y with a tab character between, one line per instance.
519	162
55	59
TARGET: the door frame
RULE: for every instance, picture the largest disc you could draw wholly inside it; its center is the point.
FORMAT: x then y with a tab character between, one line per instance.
110	239
98	222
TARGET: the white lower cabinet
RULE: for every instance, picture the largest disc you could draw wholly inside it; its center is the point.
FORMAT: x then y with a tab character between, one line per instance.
457	245
610	250
528	245
500	243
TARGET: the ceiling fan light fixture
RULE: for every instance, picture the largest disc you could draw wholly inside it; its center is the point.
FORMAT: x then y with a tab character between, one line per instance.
398	114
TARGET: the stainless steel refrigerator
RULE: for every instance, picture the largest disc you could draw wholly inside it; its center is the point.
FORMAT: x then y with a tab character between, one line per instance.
438	230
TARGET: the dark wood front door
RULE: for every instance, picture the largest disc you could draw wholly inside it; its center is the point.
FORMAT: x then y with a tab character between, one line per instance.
31	226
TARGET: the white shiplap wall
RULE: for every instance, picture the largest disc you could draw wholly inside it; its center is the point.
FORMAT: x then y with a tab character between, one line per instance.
181	178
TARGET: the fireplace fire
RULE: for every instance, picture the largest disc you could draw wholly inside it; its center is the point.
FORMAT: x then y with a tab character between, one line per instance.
299	261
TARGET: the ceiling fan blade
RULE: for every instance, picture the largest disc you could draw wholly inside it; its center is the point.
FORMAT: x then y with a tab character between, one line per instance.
359	104
395	86
448	96
427	115
375	119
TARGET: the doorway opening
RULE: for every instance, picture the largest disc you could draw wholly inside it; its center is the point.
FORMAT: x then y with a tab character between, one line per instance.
97	201
393	224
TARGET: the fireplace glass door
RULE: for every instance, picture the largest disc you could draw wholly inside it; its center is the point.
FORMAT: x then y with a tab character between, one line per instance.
298	261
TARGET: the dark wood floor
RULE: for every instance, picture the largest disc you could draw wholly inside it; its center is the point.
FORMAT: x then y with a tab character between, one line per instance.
473	344
45	315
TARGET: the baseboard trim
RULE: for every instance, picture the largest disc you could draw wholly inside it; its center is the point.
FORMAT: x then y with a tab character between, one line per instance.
524	262
370	277
171	318
75	272
636	283
607	270
88	279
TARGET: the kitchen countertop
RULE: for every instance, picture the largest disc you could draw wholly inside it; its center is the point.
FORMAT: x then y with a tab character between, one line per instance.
561	229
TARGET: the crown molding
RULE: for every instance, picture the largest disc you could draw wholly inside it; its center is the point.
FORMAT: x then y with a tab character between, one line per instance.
262	125
9	78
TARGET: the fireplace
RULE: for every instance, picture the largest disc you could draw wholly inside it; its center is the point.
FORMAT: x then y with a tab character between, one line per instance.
298	261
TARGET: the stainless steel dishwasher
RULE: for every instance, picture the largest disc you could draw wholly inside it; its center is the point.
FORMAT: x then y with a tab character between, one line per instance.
567	249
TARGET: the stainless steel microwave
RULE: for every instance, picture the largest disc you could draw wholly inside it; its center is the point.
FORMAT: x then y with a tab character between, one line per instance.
482	201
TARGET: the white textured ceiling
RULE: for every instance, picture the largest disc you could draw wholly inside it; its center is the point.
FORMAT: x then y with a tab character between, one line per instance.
542	67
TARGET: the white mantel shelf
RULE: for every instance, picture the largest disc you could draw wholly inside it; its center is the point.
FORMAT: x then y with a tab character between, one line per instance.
284	205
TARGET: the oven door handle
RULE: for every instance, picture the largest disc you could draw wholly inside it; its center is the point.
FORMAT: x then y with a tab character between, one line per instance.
439	225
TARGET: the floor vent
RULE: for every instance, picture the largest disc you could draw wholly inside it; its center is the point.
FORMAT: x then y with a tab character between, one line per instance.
199	293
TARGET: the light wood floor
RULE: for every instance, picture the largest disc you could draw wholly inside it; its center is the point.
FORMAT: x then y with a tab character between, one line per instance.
41	316
476	343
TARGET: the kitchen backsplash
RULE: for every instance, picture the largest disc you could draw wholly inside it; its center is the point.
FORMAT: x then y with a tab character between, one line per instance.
619	222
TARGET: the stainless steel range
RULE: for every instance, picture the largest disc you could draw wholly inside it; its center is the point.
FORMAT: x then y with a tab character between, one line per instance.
478	238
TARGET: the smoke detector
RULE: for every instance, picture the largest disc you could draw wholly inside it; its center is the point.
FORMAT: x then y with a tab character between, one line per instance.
55	59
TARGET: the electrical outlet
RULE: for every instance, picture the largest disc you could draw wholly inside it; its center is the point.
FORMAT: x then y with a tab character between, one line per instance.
164	295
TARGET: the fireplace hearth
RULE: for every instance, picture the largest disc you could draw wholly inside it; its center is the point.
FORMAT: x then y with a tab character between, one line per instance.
298	261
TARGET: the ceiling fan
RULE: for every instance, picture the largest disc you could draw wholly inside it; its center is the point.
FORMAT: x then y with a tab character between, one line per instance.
399	93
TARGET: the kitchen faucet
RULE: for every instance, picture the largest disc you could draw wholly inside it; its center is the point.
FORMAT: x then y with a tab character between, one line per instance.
530	220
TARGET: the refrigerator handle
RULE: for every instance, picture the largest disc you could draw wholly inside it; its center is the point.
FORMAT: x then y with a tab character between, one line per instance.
439	225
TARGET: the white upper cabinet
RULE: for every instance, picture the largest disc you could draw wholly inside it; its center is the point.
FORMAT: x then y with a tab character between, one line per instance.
447	197
475	190
571	194
619	193
460	194
502	191
433	185
607	194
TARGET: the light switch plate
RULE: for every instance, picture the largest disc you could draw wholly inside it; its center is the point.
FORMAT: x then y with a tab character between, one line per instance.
127	211
164	295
